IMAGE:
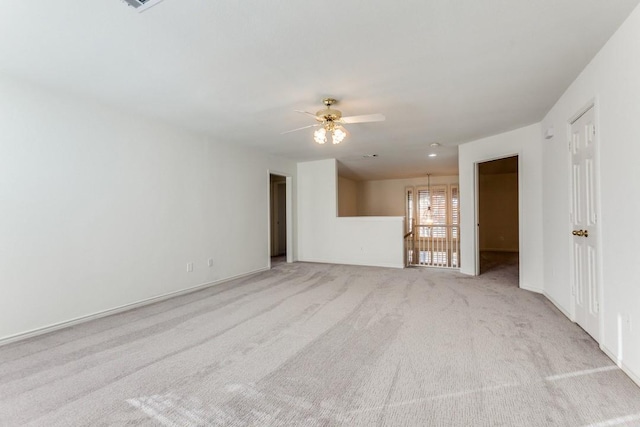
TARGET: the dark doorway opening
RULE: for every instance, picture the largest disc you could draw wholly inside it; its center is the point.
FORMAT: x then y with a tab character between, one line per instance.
498	217
278	215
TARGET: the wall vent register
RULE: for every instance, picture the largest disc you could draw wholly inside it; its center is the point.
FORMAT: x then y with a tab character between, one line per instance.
142	5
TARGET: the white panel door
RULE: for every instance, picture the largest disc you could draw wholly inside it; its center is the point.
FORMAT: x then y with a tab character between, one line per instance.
584	219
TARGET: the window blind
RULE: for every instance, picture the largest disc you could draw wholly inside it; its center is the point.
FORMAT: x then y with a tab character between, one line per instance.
409	209
455	210
438	202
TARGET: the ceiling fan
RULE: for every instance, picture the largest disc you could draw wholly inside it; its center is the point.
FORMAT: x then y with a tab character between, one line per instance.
331	120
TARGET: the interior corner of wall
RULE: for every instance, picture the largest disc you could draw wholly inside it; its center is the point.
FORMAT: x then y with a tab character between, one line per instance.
467	272
532	288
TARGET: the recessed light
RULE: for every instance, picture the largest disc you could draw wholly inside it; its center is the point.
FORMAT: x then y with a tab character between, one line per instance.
432	155
435	144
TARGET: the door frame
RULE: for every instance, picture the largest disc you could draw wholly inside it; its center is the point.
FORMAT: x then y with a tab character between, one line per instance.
593	103
289	214
276	211
476	210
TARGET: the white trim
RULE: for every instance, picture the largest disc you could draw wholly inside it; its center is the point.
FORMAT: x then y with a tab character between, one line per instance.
435	267
582	111
591	105
289	214
269	201
558	306
371	218
522	250
569	219
327	261
274	204
476	228
599	247
408	221
78	320
634	376
531	289
289	208
476	218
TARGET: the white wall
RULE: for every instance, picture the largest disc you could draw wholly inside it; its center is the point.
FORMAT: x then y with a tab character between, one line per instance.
324	237
524	142
386	197
100	209
613	80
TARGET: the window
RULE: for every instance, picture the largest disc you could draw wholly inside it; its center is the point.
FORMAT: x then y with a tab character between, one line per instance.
408	209
437	200
435	243
455	210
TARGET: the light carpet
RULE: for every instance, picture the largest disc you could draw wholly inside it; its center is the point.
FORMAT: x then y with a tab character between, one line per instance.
322	345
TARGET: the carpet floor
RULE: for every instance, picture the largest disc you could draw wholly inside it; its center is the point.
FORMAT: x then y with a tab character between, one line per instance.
323	345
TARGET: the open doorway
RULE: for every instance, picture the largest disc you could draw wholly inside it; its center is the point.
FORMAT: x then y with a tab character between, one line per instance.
498	217
278	218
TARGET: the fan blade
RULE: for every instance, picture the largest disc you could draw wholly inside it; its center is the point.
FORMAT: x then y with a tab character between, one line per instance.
305	112
363	119
305	127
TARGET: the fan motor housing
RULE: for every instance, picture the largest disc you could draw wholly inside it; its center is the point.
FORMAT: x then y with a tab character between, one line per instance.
328	115
141	5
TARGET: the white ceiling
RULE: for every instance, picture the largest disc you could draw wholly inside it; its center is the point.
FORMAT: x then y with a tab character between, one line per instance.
439	70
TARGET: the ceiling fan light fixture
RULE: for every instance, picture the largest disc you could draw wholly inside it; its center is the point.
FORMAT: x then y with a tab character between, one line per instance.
331	121
338	135
320	136
429	217
429	214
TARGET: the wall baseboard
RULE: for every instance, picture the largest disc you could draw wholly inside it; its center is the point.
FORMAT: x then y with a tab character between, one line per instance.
532	289
633	375
628	371
558	306
325	261
57	326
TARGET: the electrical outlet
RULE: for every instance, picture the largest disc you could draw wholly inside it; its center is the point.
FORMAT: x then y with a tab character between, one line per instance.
210	262
189	267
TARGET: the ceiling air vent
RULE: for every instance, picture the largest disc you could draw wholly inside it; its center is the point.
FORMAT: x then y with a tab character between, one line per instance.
142	5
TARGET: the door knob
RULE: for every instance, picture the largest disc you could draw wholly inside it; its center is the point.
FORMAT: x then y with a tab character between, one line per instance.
580	233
